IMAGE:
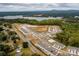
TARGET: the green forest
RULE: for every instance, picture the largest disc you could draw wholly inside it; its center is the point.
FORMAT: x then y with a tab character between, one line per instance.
70	34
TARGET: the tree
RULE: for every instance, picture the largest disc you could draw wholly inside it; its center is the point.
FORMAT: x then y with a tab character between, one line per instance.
3	37
11	32
63	37
25	44
1	29
7	25
6	49
1	47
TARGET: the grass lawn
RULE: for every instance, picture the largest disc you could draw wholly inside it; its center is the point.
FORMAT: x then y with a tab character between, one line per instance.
13	53
26	52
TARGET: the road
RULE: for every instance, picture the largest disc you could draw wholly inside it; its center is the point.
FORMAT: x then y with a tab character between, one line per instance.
25	39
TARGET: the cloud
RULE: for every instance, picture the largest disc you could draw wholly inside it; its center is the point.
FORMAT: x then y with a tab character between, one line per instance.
38	7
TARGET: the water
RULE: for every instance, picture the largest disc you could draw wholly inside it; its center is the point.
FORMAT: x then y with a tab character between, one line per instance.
42	18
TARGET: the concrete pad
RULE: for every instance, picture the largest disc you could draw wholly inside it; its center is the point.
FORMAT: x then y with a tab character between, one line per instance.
51	40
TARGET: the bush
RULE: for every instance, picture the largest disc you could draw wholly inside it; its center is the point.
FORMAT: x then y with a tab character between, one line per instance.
25	44
2	53
3	37
1	29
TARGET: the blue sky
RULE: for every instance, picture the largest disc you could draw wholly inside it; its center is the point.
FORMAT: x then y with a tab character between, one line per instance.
38	6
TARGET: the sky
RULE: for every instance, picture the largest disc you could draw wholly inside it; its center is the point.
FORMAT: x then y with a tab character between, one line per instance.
38	6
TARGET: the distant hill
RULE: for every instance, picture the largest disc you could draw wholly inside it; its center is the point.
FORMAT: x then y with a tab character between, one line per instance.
48	13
